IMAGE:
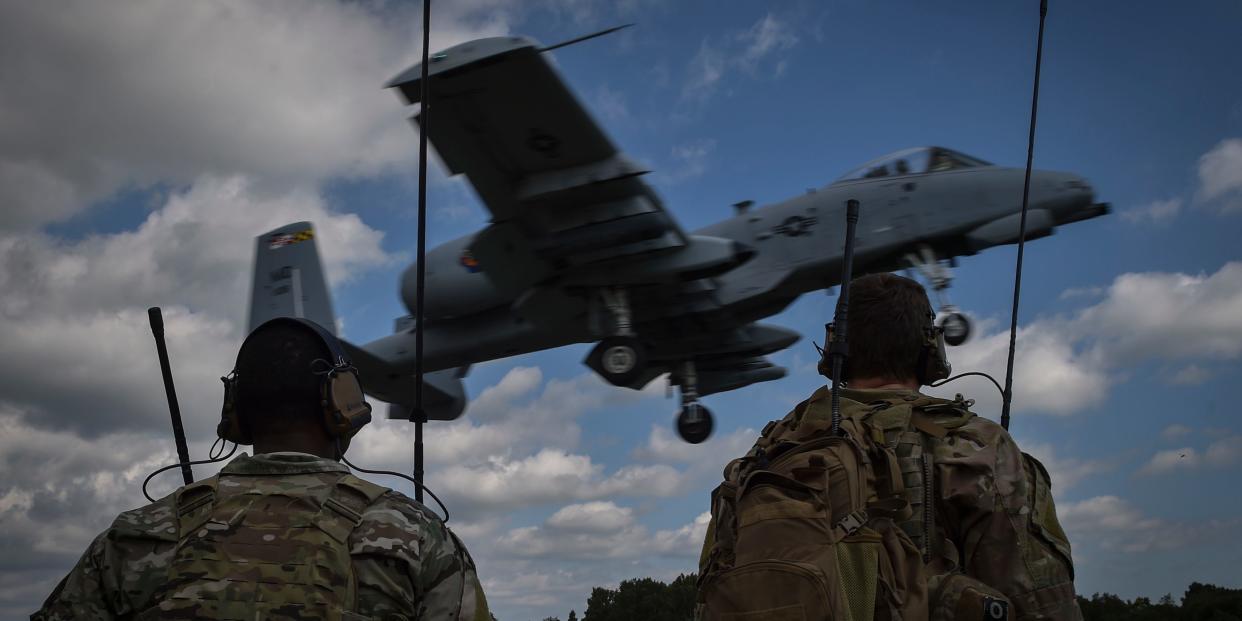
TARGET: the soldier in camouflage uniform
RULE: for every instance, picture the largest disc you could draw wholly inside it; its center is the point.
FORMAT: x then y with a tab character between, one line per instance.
286	534
991	545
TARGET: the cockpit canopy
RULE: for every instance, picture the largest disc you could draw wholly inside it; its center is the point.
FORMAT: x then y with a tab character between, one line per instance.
916	161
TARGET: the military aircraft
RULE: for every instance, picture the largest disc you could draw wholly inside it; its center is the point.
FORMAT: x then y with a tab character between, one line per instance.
580	249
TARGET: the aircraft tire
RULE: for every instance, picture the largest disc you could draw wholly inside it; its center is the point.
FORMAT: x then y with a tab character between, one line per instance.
956	327
619	359
695	423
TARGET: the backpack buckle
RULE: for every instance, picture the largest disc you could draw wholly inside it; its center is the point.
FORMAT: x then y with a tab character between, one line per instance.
852	522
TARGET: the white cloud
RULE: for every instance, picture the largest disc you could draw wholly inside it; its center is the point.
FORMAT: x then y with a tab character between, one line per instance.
762	43
1191	375
767	36
1065	364
1113	523
80	307
1155	212
663	446
150	92
1065	472
601	530
1082	292
1172	459
1221	453
1224	452
591	517
1167	316
1220	175
1174	431
705	70
689	160
548	476
1050	375
611	104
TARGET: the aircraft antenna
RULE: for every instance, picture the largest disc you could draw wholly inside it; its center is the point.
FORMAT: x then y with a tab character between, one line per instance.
584	38
1026	197
417	415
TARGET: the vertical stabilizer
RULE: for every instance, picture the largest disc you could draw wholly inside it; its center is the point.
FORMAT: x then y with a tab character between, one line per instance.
288	278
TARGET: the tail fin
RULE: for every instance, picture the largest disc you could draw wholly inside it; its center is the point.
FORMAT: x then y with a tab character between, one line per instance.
289	282
288	278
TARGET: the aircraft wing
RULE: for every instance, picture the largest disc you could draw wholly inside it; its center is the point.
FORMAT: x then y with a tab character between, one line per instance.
562	197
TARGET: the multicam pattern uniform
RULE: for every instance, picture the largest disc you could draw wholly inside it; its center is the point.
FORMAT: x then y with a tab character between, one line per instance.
406	563
994	521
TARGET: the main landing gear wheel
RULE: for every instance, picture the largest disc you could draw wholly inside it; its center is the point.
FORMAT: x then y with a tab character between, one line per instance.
619	359
694	423
956	328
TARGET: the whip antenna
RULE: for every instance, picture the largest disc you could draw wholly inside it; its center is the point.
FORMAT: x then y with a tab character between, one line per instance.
1026	197
183	451
418	416
838	346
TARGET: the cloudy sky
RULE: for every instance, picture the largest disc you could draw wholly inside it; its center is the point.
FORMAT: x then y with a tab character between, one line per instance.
144	144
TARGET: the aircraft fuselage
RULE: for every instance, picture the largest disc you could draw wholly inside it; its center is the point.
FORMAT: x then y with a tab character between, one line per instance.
797	248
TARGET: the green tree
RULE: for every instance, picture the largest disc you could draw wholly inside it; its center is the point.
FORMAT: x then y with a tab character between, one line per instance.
643	598
573	616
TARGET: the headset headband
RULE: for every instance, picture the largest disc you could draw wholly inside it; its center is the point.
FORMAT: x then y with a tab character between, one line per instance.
337	351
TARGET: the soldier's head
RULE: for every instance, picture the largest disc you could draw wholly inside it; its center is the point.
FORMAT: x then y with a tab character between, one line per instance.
279	389
888	320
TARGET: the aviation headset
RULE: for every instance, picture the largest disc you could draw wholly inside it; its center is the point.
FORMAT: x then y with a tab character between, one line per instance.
933	363
345	409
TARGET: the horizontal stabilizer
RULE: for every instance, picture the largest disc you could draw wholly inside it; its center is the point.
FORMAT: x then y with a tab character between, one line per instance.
444	396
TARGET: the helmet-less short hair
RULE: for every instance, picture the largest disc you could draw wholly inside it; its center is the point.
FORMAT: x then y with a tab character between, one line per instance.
276	382
888	315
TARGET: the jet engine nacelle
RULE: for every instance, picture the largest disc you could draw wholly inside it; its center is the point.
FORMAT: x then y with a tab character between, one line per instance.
1039	223
455	283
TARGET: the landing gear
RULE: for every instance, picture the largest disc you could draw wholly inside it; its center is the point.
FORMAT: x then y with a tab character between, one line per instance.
939	275
956	327
694	422
619	359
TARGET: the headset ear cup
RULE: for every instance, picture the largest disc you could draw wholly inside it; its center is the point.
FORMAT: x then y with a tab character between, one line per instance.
825	364
935	362
345	408
230	427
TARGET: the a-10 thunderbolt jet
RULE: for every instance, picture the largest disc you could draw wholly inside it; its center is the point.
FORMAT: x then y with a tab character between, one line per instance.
580	249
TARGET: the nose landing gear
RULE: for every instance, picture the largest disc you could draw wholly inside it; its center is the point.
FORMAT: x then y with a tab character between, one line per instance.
956	326
694	421
939	275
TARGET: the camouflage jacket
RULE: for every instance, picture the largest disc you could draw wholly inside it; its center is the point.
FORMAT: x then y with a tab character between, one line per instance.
994	518
407	563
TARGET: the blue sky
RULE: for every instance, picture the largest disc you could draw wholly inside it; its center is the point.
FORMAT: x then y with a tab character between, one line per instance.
189	146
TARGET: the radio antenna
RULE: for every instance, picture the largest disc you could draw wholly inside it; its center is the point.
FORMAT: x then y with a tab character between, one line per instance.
183	451
838	345
417	415
1026	197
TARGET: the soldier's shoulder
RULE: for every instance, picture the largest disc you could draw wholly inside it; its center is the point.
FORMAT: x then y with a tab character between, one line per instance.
157	520
396	517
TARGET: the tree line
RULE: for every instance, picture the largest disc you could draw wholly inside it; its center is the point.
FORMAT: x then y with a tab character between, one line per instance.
653	600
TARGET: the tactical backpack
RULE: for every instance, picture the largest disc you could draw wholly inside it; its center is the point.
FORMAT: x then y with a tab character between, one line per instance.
810	526
277	552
